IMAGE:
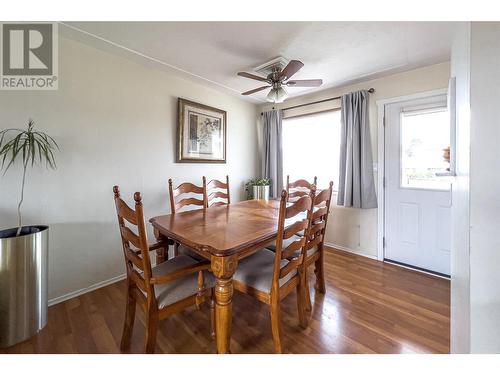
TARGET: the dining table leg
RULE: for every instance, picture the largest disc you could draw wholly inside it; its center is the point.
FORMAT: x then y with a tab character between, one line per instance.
223	269
161	254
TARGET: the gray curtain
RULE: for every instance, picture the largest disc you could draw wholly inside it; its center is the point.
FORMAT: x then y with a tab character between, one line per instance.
273	151
356	184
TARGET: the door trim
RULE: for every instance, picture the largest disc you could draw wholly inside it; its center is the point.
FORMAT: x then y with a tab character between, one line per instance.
381	103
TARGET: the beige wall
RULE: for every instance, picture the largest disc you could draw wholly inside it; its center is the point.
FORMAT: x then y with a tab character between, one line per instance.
115	121
355	229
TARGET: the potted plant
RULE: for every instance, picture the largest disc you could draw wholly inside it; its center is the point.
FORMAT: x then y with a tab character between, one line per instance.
24	249
258	188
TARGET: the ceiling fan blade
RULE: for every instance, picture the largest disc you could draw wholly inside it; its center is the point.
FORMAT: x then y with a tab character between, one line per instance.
252	76
293	67
305	83
255	90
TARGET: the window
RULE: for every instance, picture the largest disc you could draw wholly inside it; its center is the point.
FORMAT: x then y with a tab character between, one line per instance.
311	147
425	149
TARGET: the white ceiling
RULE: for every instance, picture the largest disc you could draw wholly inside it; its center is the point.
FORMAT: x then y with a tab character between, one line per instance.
337	52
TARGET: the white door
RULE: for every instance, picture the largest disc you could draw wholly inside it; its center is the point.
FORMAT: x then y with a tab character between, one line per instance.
417	230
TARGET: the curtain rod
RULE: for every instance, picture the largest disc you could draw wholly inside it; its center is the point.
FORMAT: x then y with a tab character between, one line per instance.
370	90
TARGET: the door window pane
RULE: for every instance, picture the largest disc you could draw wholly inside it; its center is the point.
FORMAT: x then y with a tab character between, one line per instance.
425	147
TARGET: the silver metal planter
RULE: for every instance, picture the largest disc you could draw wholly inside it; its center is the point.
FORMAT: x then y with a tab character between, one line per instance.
23	283
260	192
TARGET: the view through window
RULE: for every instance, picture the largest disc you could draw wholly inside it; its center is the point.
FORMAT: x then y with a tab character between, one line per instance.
311	145
425	149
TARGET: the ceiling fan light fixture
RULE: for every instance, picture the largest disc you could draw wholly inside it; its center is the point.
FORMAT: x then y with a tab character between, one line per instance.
277	95
278	78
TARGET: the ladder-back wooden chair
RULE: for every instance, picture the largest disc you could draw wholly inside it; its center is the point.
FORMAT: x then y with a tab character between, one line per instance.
315	237
295	190
193	190
217	193
298	188
185	195
271	276
163	290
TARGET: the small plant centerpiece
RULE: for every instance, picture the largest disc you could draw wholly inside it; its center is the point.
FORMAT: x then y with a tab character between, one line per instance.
24	249
31	147
258	188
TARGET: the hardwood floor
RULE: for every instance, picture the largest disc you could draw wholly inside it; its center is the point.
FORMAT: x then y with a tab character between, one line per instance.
369	307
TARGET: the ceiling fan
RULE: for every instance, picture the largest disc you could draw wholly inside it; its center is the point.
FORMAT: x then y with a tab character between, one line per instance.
279	78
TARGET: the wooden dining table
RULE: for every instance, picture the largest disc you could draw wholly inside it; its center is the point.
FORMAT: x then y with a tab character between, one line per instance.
222	234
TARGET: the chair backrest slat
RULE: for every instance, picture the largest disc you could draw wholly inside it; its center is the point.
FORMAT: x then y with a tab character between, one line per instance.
216	184
300	183
135	259
186	188
130	236
299	206
138	280
187	202
217	194
319	212
291	249
298	188
126	212
290	266
314	242
324	195
297	194
316	228
217	190
295	228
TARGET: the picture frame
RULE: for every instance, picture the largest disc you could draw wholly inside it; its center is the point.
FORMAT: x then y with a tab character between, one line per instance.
201	133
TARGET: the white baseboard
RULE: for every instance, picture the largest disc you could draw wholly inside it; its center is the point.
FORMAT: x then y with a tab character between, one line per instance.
343	248
79	292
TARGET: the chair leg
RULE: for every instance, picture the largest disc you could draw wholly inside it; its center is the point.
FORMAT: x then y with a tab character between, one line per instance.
128	325
320	274
151	329
212	315
307	291
276	325
303	300
176	249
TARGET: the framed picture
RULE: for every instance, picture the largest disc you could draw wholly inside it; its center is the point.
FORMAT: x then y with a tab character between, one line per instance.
201	133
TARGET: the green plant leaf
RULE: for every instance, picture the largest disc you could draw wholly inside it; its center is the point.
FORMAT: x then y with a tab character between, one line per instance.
14	150
32	145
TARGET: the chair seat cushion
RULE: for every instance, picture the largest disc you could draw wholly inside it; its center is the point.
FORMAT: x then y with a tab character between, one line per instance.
288	241
257	271
184	250
178	289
